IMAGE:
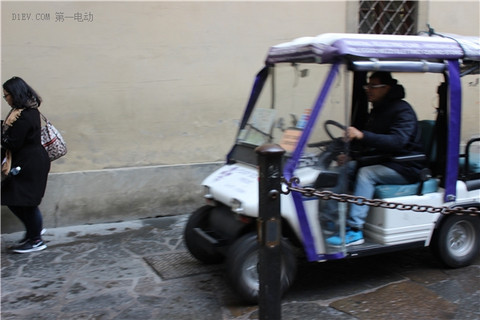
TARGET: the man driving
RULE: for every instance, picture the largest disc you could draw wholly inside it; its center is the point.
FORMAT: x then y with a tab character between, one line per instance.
391	130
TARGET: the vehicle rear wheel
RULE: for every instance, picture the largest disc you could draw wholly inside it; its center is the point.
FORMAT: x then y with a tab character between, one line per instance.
457	242
200	219
242	272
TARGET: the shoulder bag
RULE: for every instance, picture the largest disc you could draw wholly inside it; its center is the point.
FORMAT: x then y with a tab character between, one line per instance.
52	140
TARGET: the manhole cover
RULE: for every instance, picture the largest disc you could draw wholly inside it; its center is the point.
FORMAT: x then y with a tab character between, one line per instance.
178	265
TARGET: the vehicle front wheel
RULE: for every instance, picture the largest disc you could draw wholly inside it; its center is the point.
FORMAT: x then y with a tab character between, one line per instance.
242	272
202	252
457	241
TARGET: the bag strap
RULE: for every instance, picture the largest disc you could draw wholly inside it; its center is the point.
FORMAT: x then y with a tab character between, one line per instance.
44	118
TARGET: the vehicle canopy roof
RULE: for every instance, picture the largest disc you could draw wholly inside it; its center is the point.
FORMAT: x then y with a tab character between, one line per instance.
329	47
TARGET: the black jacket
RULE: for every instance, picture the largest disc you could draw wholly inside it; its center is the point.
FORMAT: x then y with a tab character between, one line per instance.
392	130
23	140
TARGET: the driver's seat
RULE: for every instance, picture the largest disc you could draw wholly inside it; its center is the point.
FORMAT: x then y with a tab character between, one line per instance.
427	183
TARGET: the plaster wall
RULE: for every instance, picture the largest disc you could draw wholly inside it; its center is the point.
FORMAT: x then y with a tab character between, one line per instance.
149	94
143	92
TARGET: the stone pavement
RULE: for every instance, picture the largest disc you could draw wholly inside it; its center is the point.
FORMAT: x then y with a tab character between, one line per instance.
141	270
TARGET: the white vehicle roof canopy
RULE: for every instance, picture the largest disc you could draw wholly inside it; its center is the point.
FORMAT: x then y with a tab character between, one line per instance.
326	48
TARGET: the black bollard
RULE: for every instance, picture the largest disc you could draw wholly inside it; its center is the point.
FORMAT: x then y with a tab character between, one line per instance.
269	230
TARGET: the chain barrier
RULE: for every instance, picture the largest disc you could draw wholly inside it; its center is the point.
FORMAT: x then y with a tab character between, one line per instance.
292	185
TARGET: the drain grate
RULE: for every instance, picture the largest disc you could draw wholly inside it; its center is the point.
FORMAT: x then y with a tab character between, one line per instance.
178	265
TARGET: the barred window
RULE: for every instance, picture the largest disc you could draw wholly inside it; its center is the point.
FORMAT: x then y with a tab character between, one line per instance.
388	17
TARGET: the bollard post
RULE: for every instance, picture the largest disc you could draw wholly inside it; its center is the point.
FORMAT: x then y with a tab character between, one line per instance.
269	230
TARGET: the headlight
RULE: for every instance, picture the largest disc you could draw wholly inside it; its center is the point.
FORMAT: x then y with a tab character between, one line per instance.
206	192
207	195
237	206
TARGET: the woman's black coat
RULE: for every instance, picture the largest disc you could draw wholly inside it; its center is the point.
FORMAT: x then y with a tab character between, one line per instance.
23	140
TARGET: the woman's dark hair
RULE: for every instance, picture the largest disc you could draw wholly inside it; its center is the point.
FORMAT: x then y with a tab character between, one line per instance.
384	77
23	96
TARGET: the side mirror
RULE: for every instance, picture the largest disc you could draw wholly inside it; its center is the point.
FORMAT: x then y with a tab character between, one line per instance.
326	179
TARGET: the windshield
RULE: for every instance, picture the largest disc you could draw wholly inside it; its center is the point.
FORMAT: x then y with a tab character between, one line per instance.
283	109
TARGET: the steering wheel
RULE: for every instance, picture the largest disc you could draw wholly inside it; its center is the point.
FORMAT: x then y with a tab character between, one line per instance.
333	123
332	147
332	137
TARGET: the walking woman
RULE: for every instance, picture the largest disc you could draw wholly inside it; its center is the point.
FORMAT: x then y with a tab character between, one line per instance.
25	163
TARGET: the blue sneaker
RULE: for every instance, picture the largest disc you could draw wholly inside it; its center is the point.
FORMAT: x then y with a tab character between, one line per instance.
351	238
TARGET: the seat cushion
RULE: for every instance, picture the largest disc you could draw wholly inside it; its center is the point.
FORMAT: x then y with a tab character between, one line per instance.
473	163
400	190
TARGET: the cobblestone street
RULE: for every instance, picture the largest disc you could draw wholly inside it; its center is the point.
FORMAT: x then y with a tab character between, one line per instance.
141	270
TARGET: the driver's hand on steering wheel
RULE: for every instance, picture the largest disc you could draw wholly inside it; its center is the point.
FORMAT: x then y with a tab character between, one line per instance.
354	134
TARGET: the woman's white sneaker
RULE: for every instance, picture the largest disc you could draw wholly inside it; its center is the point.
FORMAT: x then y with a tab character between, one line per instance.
30	246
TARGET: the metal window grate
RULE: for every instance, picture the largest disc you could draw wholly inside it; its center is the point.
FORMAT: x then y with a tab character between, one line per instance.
388	17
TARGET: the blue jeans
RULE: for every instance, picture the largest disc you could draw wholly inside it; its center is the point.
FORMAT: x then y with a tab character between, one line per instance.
364	186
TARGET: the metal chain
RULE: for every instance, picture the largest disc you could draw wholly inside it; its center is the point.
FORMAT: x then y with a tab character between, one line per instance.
362	201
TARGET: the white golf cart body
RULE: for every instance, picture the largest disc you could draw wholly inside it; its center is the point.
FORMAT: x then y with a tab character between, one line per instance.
232	190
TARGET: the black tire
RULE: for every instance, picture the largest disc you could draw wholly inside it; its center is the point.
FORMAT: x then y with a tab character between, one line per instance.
457	241
241	267
199	219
